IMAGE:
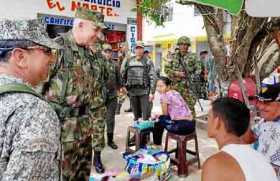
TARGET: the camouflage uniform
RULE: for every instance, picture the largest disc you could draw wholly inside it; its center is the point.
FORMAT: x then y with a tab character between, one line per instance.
190	64
71	78
77	76
98	99
29	127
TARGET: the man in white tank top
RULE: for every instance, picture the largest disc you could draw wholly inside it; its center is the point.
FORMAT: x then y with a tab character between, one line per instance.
228	120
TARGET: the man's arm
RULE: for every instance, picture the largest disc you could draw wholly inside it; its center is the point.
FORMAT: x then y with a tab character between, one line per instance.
36	141
222	167
209	171
169	70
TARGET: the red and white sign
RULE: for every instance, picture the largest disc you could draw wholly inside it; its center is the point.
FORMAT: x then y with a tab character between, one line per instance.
116	11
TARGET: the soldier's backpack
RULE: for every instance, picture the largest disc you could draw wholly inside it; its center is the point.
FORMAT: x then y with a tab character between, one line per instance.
18	88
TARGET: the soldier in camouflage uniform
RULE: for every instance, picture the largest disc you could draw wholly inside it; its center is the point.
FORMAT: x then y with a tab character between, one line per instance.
75	89
97	103
29	127
113	85
185	70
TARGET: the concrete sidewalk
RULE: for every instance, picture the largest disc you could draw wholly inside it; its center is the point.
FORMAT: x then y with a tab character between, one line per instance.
113	158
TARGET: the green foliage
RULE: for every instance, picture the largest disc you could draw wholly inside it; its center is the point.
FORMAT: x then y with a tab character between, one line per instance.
153	9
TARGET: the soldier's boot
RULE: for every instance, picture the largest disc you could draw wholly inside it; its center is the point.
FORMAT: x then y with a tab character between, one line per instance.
97	162
111	142
118	109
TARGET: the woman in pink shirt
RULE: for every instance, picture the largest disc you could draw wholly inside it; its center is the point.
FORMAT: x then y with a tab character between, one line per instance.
176	116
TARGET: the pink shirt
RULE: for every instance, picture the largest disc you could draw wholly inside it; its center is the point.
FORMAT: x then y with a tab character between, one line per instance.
177	107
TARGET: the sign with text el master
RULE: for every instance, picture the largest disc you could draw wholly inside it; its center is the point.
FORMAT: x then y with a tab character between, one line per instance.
114	10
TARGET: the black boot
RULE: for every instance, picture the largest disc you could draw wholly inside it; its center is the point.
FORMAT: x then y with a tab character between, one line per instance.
97	162
118	109
111	143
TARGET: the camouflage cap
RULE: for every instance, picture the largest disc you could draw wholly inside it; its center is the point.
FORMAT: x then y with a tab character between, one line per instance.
107	46
96	17
184	40
140	44
31	30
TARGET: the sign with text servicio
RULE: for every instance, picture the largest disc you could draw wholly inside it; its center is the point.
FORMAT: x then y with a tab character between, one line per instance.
114	10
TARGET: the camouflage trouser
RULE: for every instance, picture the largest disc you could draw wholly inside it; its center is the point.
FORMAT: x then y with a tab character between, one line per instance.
77	149
97	119
190	100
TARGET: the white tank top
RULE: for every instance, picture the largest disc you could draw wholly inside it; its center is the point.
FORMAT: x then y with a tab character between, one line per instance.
254	165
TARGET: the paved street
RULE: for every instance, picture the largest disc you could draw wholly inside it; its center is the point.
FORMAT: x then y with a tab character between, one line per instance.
113	159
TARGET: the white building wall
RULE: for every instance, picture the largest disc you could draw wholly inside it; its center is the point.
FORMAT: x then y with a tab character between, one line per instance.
184	23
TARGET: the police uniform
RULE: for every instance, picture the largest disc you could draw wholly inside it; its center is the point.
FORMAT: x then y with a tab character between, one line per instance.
76	90
139	78
29	127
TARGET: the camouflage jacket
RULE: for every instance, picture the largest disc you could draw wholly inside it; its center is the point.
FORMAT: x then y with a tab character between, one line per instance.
29	137
100	76
189	64
76	74
114	79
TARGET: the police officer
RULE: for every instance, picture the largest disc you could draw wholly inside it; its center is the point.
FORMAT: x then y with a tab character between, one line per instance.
185	70
113	84
29	127
139	78
76	89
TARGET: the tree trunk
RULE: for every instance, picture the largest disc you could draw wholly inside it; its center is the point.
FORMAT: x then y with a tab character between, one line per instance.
214	25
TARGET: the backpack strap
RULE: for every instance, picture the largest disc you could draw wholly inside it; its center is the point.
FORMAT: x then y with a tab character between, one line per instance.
18	88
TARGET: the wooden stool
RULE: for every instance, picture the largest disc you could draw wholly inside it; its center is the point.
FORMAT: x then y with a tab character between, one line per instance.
138	138
180	159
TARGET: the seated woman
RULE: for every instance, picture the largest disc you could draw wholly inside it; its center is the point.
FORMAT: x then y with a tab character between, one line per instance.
176	116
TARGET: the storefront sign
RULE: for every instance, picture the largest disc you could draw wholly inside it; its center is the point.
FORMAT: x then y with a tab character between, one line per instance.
66	21
57	20
116	11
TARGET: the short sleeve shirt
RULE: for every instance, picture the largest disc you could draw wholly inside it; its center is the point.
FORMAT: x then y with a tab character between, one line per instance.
268	140
177	107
